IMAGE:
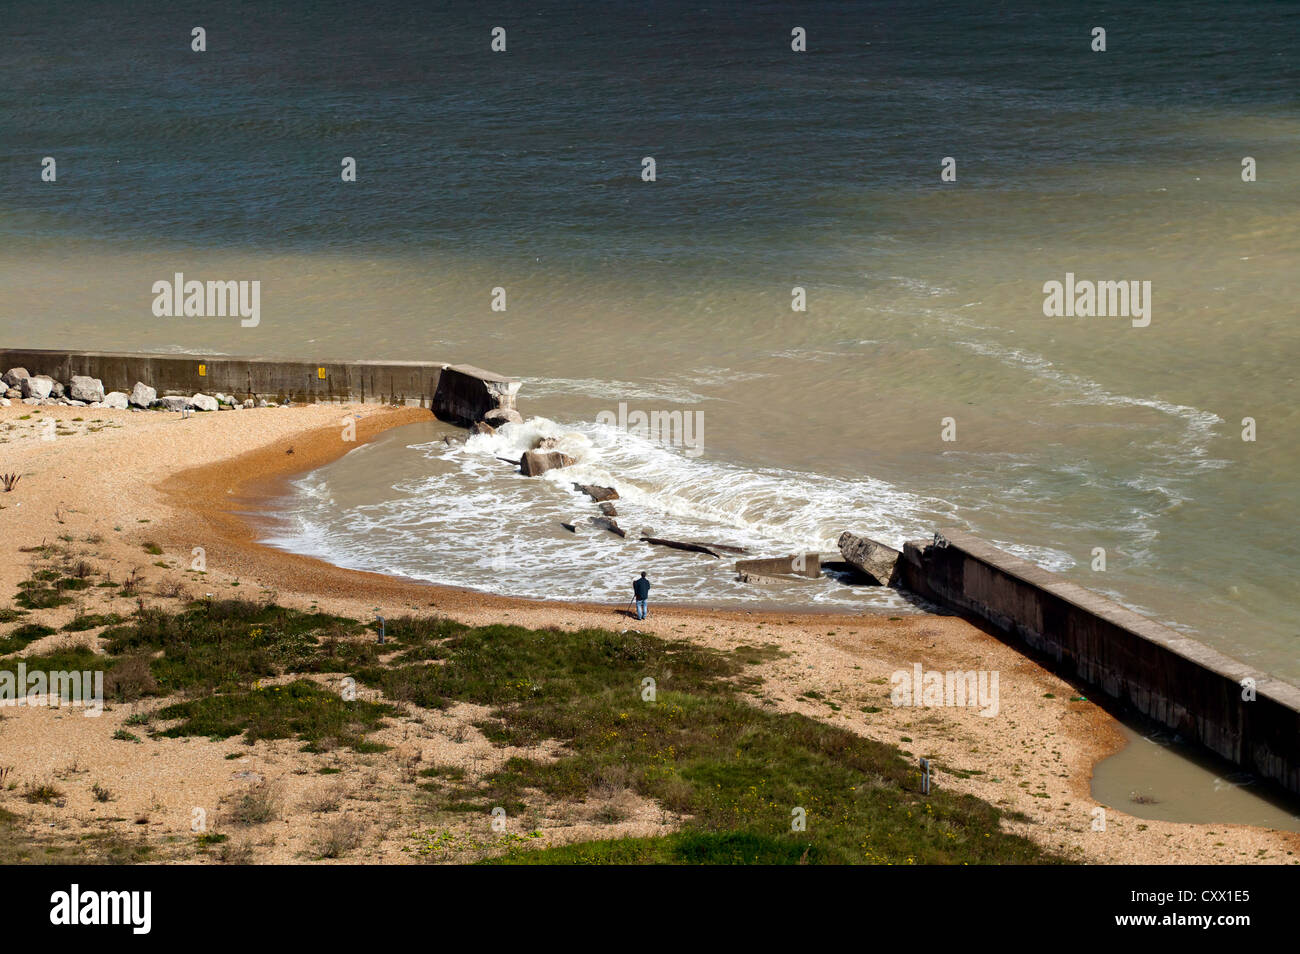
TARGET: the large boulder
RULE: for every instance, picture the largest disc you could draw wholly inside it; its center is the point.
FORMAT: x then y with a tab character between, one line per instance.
865	555
38	387
539	462
116	400
57	390
142	395
14	377
83	388
172	402
202	402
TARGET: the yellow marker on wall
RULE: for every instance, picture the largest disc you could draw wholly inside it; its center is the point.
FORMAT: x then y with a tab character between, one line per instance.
203	370
320	373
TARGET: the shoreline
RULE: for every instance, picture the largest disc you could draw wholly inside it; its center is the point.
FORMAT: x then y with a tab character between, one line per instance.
1038	759
248	483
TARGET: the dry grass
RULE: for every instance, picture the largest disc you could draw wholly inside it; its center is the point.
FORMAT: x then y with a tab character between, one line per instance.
257	805
341	836
328	799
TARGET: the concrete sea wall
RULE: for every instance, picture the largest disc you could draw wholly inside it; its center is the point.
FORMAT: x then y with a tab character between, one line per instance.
457	393
1175	680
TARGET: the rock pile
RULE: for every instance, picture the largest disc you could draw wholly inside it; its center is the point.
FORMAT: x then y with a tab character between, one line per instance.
84	391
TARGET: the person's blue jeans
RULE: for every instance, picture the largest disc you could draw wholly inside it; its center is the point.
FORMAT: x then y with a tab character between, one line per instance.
641	611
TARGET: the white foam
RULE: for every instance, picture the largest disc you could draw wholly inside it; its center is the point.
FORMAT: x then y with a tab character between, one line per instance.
472	521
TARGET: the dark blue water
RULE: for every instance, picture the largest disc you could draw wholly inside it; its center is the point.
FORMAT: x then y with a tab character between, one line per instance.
540	147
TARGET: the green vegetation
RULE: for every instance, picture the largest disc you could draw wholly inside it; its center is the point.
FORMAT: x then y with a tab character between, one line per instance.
20	844
225	645
42	792
41	597
735	772
735	775
680	848
301	709
22	635
84	621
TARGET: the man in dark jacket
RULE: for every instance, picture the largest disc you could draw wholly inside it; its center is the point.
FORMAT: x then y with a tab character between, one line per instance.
641	590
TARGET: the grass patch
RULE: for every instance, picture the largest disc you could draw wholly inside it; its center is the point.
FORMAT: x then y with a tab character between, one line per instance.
85	621
72	659
680	848
18	845
42	793
228	644
22	636
301	709
736	772
209	838
41	597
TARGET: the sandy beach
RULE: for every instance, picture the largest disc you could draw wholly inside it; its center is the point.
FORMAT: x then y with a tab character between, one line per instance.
117	487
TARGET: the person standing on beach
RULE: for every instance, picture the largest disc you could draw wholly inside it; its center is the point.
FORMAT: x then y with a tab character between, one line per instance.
641	590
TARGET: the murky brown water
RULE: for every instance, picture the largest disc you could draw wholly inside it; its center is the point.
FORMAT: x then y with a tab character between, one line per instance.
1154	778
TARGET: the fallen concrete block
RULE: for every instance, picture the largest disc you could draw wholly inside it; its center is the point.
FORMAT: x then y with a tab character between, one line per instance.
765	580
465	394
873	559
804	565
503	415
604	523
679	545
534	463
597	493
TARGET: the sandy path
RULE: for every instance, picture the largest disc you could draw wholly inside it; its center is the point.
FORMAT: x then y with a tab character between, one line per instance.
114	481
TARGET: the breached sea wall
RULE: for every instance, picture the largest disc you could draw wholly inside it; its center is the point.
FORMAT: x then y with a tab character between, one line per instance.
453	392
